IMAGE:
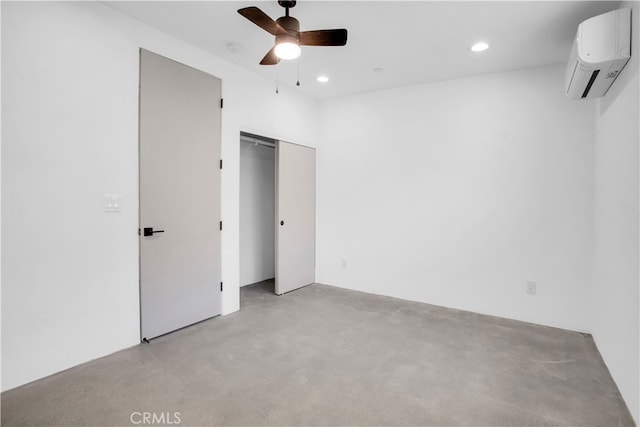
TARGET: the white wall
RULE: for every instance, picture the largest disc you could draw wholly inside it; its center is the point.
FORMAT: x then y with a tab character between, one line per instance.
458	192
616	233
69	136
257	213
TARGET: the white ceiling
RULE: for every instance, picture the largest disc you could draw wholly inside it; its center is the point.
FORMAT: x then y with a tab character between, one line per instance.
412	41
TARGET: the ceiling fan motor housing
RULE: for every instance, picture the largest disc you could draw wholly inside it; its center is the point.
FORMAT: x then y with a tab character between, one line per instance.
290	24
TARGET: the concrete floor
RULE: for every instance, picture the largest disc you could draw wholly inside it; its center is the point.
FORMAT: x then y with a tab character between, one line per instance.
328	356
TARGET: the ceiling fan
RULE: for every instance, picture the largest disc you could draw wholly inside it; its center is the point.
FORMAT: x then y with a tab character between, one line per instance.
286	29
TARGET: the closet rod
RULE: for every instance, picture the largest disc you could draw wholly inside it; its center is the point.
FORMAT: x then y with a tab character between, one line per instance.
257	141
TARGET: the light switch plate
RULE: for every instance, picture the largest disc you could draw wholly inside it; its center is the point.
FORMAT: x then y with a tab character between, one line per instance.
532	287
111	203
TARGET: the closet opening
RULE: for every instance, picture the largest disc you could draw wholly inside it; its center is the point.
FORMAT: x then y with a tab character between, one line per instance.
257	212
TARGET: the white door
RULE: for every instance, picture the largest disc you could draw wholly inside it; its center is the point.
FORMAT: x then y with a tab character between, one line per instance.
295	216
179	195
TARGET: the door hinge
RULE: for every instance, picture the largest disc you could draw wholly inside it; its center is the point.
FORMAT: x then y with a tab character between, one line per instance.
220	286
138	231
221	102
220	163
220	225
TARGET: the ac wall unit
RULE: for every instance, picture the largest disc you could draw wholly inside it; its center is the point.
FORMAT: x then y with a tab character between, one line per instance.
600	50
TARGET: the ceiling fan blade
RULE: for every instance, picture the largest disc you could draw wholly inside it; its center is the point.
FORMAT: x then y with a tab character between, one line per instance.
261	19
270	58
324	37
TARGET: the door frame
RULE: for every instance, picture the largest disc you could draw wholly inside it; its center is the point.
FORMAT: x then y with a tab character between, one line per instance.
267	136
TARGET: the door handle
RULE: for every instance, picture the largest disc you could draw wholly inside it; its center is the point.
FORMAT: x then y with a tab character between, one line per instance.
149	231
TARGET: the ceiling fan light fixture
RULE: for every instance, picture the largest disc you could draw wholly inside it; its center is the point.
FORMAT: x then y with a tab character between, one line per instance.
287	47
287	50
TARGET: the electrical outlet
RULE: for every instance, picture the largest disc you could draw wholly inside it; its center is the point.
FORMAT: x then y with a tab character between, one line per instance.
344	263
532	287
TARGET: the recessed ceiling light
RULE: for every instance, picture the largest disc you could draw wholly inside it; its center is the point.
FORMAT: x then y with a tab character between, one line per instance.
322	79
479	47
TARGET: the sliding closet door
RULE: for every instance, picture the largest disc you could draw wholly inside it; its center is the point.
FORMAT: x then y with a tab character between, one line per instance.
179	195
296	216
